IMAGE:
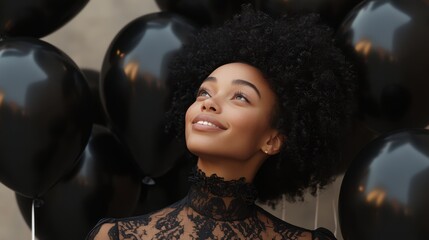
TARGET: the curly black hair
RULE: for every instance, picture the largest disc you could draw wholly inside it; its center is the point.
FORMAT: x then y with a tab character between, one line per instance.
314	82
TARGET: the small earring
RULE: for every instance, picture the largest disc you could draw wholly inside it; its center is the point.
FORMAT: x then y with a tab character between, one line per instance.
266	151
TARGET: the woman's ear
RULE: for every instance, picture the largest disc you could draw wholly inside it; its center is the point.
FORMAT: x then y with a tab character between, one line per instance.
273	144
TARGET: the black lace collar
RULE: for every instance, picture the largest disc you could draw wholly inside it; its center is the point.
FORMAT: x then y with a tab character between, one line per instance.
219	199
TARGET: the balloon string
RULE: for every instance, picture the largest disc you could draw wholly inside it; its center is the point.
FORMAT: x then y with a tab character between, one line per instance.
283	207
334	209
316	215
33	222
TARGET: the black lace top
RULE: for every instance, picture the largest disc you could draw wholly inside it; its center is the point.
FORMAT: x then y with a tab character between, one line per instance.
213	209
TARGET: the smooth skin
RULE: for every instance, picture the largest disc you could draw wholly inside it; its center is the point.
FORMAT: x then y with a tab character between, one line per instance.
229	125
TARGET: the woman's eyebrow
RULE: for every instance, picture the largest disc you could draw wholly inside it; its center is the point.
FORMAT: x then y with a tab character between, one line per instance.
246	83
237	82
210	78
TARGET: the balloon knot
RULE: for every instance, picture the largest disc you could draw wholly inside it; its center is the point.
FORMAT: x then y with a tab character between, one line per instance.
38	202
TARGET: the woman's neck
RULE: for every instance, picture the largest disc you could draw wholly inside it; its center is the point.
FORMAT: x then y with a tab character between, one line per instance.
215	198
228	169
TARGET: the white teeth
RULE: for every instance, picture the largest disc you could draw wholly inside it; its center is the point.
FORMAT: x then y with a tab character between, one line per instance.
206	123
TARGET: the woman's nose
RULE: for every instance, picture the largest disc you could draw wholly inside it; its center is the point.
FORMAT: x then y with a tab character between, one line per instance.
209	105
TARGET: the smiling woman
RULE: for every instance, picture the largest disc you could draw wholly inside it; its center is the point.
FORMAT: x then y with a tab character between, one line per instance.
227	126
263	105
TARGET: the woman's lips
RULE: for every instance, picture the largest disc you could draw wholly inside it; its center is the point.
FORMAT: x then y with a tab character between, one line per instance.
206	122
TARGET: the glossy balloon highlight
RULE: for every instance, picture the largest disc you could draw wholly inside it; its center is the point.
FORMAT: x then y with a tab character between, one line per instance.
103	184
36	18
389	41
135	92
384	192
45	115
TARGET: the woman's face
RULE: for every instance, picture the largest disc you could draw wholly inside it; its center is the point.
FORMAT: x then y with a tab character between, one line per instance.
231	115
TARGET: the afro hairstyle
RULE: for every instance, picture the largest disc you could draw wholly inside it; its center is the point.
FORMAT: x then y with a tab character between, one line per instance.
314	82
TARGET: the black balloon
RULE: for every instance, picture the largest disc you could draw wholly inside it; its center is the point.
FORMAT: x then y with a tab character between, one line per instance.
45	115
36	18
160	192
134	90
389	41
384	194
103	184
357	136
93	79
333	11
203	12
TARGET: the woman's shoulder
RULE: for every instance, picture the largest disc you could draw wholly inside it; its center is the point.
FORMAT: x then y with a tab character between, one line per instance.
286	229
112	228
105	229
323	234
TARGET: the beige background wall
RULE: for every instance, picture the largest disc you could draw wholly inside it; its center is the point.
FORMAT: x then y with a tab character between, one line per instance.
85	39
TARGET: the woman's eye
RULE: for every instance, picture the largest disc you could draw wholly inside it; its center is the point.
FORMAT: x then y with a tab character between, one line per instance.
203	93
240	97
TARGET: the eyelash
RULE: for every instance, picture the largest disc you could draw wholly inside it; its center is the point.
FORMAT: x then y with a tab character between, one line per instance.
236	94
241	94
200	91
